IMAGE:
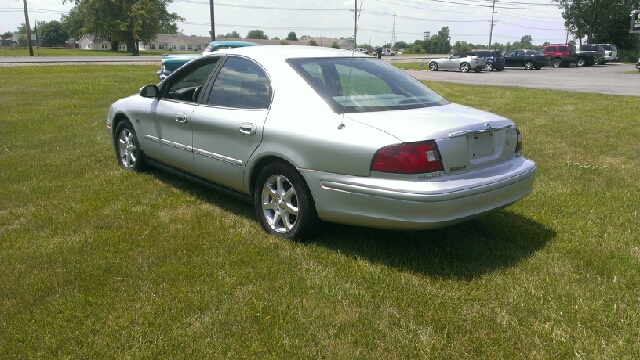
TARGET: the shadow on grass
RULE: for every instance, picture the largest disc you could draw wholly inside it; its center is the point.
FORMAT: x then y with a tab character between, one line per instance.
463	251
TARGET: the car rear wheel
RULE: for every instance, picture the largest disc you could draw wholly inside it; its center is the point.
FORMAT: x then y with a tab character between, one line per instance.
464	67
283	202
556	62
489	66
580	62
128	147
528	65
433	66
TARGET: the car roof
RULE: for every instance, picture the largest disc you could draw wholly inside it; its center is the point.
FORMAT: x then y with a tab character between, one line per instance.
231	43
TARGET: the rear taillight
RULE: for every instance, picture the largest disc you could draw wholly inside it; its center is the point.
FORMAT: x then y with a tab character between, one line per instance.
518	142
473	57
414	158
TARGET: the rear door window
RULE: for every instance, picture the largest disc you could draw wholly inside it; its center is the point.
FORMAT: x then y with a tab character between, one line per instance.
240	84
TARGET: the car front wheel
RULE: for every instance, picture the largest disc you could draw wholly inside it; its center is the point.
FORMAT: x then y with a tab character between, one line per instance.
128	148
433	66
283	202
528	65
489	66
464	67
580	62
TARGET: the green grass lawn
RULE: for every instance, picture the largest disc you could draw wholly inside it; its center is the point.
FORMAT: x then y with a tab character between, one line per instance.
97	262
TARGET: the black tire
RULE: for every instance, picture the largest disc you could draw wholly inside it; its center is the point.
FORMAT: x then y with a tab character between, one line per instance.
580	62
489	66
283	202
528	65
433	66
128	148
556	63
464	67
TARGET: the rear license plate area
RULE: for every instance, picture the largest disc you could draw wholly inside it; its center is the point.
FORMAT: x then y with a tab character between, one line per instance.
481	144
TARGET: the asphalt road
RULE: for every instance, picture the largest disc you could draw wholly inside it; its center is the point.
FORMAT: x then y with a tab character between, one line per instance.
603	79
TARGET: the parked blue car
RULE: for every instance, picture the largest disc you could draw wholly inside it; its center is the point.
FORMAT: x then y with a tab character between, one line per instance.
171	62
495	60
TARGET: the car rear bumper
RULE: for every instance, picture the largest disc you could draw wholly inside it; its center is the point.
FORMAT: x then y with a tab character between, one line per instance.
424	204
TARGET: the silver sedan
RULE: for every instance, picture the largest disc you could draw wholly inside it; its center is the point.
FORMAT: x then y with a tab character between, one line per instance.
309	134
459	62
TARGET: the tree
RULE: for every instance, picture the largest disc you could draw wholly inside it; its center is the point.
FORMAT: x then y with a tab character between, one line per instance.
52	33
600	21
526	42
73	23
284	42
292	36
461	47
7	35
400	45
257	34
313	43
231	35
127	21
335	45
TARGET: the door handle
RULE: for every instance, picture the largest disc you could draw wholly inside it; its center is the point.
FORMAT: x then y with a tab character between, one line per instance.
247	128
181	118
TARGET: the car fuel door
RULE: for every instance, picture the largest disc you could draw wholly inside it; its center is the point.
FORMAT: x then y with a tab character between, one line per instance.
227	126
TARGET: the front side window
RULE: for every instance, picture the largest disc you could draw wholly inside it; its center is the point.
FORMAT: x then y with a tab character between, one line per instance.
364	85
188	85
240	84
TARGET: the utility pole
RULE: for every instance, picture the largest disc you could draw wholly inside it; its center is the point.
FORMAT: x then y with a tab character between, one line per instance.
26	18
213	27
355	24
493	11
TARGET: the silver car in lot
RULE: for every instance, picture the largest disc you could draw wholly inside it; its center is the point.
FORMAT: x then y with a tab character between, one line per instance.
459	62
309	134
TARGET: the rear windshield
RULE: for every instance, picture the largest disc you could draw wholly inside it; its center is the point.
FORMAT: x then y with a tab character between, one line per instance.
609	47
354	85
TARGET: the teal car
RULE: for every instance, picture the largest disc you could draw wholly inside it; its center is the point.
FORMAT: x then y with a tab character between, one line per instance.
171	62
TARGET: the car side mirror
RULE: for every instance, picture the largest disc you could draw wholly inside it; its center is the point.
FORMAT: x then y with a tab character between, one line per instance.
149	91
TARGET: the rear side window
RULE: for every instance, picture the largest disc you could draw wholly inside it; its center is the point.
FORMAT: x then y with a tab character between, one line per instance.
564	49
240	84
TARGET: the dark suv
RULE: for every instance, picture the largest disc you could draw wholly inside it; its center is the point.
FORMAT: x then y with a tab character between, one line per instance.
494	58
560	54
588	55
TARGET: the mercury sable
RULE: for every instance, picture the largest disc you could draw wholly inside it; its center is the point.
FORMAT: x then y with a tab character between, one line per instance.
309	134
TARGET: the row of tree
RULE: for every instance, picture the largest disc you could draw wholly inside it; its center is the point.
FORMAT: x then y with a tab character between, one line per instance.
135	21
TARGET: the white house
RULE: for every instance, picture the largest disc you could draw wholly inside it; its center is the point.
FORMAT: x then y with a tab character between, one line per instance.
89	42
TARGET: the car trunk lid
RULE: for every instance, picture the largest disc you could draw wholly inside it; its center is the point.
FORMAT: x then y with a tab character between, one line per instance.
467	138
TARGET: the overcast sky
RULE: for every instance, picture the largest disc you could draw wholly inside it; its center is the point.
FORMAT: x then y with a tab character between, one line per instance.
468	20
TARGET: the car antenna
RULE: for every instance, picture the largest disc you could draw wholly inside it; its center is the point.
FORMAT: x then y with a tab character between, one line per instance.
356	16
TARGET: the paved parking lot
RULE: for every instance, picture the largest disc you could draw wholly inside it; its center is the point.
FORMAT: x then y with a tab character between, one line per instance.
603	79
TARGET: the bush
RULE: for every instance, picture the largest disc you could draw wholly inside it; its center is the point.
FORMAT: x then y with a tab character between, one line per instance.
625	55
